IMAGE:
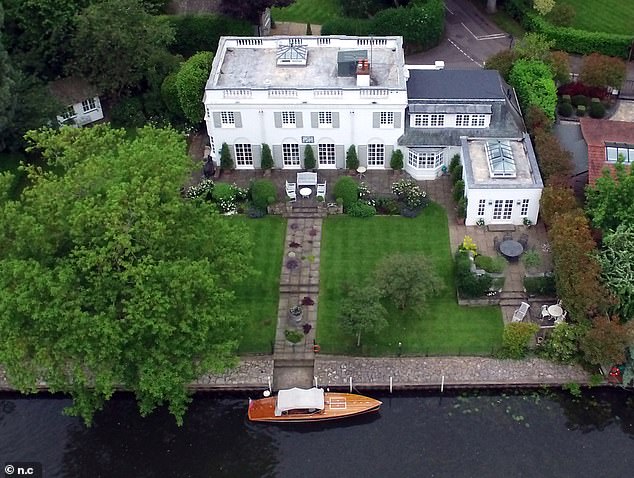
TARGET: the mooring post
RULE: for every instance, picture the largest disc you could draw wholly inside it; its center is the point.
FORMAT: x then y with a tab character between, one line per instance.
350	384
315	378
442	384
268	379
390	384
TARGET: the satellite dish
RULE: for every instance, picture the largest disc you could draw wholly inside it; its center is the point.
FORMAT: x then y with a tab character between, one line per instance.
266	393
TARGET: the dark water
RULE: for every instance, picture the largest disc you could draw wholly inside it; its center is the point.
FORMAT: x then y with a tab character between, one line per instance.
524	434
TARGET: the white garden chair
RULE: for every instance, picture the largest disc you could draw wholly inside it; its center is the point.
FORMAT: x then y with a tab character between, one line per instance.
321	190
291	191
520	313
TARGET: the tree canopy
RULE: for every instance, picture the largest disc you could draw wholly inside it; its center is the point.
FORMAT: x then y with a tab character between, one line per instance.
109	278
617	264
116	42
362	311
610	202
190	85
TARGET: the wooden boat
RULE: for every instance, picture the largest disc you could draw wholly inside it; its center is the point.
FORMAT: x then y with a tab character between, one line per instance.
312	405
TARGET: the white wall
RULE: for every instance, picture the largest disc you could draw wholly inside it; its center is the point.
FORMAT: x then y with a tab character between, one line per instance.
81	118
490	195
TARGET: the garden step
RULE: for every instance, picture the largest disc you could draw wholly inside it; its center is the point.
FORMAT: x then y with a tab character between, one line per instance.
296	288
501	228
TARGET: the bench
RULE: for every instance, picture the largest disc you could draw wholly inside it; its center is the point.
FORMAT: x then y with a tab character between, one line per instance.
306	179
501	227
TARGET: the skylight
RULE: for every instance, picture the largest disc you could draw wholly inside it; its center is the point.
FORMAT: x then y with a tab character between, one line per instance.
500	156
292	54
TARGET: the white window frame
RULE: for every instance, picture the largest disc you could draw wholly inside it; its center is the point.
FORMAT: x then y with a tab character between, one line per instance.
524	207
243	155
89	105
478	121
462	120
612	152
376	155
386	119
420	121
481	207
69	112
436	120
289	119
325	119
502	209
425	159
326	155
290	155
227	119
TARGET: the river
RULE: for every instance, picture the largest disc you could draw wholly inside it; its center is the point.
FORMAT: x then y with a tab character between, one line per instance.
536	433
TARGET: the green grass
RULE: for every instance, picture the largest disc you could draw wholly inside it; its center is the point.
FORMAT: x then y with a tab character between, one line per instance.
502	19
316	12
350	249
257	296
611	16
10	162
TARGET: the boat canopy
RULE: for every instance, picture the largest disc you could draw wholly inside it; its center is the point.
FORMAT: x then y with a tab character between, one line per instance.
298	398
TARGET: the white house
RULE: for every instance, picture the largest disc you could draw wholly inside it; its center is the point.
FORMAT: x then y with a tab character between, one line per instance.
289	92
80	100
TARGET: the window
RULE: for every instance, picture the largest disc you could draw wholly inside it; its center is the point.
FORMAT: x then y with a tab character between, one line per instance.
426	121
290	154
477	121
502	209
89	105
326	155
325	119
386	119
227	119
425	159
69	112
376	154
500	156
614	150
462	120
288	119
244	155
481	206
524	208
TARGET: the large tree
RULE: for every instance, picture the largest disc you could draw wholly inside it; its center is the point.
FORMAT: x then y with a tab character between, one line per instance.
109	278
190	85
617	265
362	312
116	43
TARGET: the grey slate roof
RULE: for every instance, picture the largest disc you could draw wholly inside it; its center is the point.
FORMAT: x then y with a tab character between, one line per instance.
505	123
454	85
571	139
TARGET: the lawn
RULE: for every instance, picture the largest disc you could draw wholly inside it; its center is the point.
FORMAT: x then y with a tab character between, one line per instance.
611	16
257	297
349	250
316	12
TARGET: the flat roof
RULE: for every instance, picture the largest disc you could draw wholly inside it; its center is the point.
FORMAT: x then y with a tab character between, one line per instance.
255	66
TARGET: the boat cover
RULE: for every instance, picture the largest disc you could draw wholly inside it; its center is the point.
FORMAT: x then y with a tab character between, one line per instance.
298	398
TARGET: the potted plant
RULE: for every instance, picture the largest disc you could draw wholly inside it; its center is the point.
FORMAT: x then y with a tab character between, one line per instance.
295	313
480	222
293	336
527	222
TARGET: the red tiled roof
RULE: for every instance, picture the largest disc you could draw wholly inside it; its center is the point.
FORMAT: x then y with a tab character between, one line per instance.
596	133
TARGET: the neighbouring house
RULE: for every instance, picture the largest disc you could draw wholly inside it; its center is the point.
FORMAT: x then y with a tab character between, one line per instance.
333	92
289	92
81	100
606	141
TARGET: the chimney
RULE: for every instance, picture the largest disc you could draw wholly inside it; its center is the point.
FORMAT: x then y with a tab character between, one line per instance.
363	72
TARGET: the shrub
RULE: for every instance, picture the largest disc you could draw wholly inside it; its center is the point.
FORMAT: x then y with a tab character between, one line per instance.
361	209
454	163
531	259
565	99
386	205
202	190
224	195
503	62
554	161
537	118
468	284
562	15
352	160
597	110
262	191
347	189
255	213
347	26
559	62
190	82
293	336
540	286
565	110
602	70
396	161
309	157
562	344
461	207
267	157
490	264
456	174
579	100
201	32
128	112
581	110
458	190
578	88
226	161
410	194
515	339
533	82
169	95
309	30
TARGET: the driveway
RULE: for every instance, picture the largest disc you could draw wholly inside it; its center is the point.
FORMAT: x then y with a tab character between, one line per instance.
470	38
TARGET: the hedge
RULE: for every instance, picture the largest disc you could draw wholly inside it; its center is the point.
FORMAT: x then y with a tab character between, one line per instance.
195	33
567	38
532	79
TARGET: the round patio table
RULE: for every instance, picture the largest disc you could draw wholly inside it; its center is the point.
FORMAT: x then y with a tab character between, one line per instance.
555	310
305	192
511	249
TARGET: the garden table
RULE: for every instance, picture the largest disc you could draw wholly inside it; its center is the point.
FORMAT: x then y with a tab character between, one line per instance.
511	249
